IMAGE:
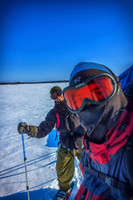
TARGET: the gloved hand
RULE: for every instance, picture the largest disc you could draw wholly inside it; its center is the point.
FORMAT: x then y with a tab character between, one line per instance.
23	127
79	144
28	129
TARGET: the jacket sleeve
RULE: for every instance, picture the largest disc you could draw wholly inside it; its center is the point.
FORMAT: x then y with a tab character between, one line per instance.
46	126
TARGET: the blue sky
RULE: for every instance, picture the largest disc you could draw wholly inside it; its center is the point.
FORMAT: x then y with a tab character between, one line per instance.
44	40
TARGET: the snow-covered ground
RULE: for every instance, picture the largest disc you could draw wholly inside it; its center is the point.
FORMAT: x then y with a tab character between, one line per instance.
29	103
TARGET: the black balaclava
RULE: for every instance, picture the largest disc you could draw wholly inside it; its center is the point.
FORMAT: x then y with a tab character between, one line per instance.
98	119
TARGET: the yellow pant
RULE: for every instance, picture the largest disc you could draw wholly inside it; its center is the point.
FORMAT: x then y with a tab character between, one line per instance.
65	167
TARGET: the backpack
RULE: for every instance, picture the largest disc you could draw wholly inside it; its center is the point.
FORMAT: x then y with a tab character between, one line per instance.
126	80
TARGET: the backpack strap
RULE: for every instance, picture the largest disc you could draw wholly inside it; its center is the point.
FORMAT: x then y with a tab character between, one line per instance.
111	182
58	120
57	124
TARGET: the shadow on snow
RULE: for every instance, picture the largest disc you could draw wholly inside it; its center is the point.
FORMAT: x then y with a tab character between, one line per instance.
9	171
41	194
51	142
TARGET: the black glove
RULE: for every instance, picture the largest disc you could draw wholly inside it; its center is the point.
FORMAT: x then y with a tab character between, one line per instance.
28	129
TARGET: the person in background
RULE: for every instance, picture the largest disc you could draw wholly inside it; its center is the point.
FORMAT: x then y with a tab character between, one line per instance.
95	95
70	138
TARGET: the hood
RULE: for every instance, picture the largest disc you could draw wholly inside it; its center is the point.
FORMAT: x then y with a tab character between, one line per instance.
98	120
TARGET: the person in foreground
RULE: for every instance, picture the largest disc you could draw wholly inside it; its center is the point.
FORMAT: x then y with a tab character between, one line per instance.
95	95
70	138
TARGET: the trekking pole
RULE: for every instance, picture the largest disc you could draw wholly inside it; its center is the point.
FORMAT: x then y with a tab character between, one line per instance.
27	186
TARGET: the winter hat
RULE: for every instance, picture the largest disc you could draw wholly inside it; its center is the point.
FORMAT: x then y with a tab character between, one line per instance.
54	89
84	70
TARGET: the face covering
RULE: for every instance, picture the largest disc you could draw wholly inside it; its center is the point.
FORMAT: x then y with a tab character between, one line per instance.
98	120
90	118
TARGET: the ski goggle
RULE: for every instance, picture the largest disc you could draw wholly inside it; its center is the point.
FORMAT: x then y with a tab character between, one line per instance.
56	94
96	90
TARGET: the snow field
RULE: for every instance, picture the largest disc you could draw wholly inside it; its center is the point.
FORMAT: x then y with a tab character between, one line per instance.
28	103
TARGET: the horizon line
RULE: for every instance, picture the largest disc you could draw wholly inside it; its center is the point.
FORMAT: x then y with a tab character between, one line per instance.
32	82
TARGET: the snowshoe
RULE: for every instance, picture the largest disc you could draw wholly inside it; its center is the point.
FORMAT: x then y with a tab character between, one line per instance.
61	195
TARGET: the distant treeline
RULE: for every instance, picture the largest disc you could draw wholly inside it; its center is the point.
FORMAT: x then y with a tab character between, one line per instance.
14	83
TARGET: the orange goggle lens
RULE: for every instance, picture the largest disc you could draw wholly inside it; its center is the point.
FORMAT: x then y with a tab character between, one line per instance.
95	91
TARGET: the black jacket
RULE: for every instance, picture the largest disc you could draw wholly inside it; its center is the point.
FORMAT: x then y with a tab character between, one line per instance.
69	125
